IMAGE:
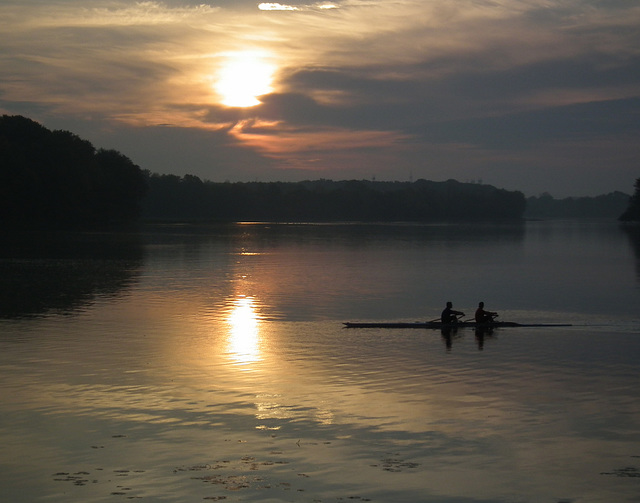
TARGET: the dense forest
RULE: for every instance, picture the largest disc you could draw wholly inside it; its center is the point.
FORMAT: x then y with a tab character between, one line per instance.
57	179
632	213
189	198
605	206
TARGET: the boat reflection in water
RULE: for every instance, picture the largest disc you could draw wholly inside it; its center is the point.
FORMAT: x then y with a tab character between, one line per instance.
244	335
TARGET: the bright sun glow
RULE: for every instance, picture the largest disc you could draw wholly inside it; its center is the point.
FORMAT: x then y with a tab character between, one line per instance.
244	77
243	343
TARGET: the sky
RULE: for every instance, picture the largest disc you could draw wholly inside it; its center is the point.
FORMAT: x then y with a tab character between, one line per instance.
530	95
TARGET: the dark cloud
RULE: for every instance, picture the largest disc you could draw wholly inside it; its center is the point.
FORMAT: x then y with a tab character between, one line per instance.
556	74
580	122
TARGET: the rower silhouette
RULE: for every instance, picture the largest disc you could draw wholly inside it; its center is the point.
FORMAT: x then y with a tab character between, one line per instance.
483	316
450	315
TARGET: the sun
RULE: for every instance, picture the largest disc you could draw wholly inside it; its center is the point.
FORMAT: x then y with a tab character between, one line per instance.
243	77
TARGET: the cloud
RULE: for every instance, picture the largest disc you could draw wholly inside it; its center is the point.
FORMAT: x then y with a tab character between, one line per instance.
279	140
276	6
420	83
286	7
169	54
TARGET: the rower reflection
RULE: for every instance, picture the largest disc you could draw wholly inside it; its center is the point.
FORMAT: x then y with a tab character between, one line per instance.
481	334
448	334
244	340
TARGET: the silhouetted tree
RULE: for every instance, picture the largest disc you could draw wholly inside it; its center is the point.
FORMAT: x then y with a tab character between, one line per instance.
632	213
58	179
117	187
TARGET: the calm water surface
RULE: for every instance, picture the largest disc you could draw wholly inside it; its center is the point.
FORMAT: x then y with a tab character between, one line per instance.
184	364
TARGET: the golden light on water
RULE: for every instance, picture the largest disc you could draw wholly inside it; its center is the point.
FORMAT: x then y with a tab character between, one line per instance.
244	339
243	78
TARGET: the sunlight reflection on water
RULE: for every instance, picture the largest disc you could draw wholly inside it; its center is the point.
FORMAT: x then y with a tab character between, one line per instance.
244	337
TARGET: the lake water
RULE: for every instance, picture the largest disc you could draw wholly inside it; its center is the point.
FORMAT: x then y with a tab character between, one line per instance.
184	364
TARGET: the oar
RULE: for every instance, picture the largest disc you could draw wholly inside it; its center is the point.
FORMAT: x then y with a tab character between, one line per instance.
457	319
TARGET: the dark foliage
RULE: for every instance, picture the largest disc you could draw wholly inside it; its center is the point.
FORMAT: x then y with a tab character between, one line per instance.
632	213
55	178
604	206
189	198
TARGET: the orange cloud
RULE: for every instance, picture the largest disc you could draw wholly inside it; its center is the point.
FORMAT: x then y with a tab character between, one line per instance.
278	140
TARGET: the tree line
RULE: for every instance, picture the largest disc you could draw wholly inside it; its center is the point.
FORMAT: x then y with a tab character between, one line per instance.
56	179
190	198
610	205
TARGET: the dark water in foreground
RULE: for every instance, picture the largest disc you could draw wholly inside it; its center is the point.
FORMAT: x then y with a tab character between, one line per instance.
206	364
